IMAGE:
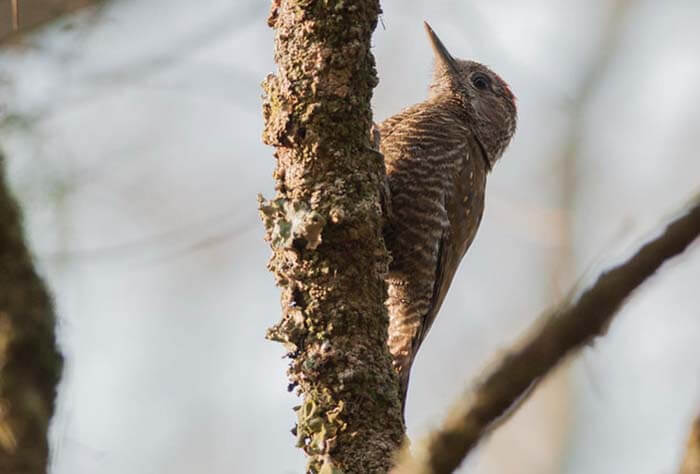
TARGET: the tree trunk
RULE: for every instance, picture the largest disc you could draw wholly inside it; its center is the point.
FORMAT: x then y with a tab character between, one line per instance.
325	229
30	364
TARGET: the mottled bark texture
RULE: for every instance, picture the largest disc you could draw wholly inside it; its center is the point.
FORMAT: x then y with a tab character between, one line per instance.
325	229
568	328
691	460
30	364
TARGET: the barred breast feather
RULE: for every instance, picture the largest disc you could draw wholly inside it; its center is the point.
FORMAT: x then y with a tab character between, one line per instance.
436	174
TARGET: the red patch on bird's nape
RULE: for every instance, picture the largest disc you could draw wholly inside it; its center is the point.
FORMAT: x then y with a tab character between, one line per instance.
509	92
506	89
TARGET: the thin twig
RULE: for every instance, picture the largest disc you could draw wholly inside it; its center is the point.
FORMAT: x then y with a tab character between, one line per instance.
568	328
15	15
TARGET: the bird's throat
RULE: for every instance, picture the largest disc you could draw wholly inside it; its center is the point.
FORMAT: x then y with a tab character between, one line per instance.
484	155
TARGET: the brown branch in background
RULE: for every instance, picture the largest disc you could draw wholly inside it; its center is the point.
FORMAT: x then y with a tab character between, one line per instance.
591	78
325	230
27	16
565	330
15	15
691	461
30	364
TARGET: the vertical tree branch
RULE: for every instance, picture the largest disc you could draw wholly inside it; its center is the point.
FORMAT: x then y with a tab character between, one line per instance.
30	364
324	227
15	15
591	78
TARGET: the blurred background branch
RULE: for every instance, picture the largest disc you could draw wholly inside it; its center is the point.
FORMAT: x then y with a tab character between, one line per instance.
691	460
18	17
592	76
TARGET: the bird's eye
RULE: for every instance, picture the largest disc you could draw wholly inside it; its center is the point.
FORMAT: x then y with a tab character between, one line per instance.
481	81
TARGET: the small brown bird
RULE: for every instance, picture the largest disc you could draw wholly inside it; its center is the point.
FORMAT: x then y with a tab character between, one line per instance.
437	155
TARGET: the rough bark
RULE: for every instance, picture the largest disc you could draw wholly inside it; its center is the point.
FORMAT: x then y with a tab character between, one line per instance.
568	328
324	227
691	460
30	364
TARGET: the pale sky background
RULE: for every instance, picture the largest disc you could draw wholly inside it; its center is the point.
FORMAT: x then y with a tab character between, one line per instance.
133	137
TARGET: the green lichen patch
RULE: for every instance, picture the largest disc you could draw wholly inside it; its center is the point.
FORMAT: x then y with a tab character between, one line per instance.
291	225
318	426
290	331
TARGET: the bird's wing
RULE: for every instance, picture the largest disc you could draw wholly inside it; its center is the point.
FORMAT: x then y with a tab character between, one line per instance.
443	277
425	248
439	289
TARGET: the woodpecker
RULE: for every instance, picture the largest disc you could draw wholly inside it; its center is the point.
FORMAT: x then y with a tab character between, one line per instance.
437	155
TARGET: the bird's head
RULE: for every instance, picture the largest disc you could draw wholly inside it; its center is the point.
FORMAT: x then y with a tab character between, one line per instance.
487	101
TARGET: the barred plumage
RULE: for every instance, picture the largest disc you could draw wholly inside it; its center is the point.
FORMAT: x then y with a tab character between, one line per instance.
437	155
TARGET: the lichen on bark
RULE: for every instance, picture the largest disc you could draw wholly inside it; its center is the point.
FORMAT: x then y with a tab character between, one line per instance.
325	229
30	364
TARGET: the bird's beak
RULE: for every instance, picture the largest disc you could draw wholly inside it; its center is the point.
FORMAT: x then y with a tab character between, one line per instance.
443	58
